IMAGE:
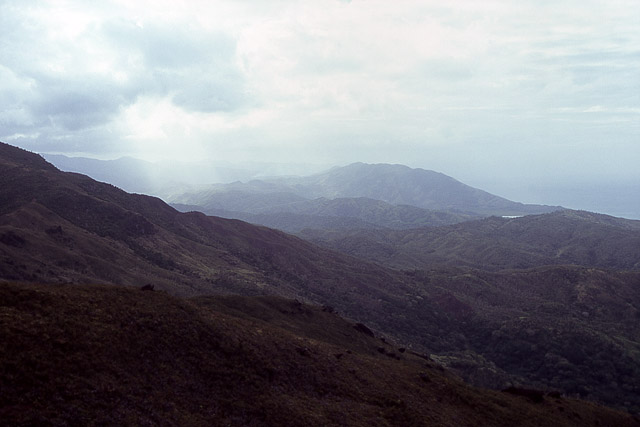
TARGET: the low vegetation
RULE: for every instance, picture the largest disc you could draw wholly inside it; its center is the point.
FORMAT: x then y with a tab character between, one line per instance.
96	355
560	238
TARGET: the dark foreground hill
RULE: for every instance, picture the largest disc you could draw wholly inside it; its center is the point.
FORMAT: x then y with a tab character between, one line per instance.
99	355
572	329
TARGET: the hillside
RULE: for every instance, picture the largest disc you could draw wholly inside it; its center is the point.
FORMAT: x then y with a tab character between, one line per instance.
374	212
63	226
60	227
565	327
291	213
557	238
78	355
287	222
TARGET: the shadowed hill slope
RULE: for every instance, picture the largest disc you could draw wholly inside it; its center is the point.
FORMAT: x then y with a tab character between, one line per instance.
64	228
77	355
563	237
55	224
294	215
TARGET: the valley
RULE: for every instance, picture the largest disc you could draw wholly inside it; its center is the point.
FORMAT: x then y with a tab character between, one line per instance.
549	300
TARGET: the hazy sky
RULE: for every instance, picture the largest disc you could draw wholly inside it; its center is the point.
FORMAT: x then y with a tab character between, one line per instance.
523	89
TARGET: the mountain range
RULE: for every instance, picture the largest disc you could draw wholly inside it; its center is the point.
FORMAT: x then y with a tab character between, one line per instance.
359	185
358	196
543	324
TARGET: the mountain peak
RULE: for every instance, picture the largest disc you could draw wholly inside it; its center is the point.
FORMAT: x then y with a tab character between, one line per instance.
376	165
402	185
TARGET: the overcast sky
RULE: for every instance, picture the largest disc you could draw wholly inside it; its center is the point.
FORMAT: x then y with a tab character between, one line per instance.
531	90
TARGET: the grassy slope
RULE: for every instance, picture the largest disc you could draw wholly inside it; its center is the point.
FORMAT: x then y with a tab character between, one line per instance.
567	328
564	237
95	355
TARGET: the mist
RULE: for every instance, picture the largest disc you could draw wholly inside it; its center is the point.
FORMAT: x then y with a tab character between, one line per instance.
538	102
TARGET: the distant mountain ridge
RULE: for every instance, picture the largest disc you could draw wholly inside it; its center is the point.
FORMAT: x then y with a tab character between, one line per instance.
392	184
167	177
399	184
383	195
170	179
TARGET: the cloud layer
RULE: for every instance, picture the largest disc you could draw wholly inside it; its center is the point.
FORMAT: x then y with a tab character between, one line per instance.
534	88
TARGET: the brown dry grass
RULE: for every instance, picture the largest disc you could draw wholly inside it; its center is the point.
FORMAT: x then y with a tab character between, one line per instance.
101	355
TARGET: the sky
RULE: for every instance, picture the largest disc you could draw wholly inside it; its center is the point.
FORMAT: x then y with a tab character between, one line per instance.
497	93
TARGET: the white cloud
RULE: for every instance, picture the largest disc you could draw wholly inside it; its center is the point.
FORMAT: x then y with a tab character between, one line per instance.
342	81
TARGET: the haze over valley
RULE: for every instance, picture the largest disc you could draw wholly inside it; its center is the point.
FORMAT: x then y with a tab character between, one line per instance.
170	180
